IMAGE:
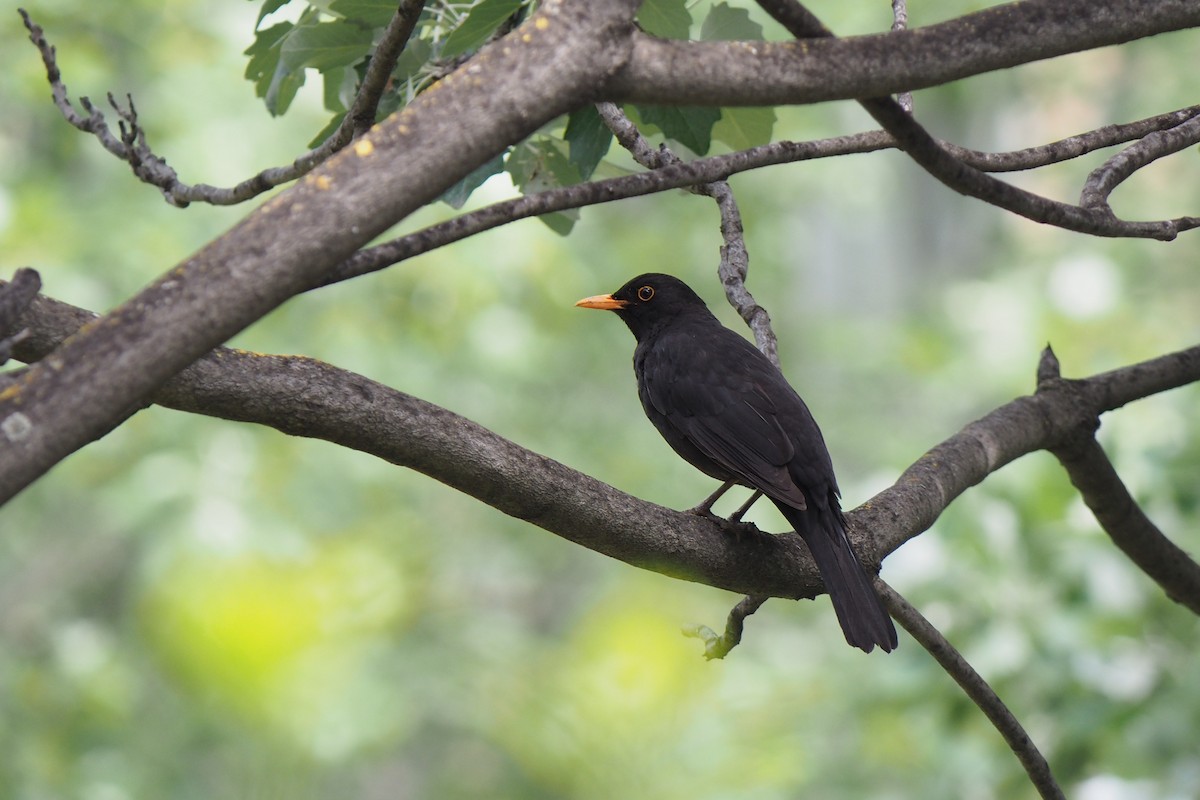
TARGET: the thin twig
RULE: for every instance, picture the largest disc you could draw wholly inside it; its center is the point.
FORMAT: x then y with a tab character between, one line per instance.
379	69
131	146
975	688
1072	146
735	258
928	153
900	23
1155	145
713	168
719	646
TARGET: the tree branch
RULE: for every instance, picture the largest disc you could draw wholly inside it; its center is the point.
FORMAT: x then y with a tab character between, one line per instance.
975	687
304	397
510	88
714	168
150	168
732	73
1153	146
1118	513
735	258
379	69
15	297
720	646
1096	219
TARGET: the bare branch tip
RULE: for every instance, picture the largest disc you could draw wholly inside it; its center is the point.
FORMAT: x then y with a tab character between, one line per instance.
717	647
1048	368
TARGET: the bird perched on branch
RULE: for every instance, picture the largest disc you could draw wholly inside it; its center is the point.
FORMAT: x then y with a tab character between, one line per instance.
729	412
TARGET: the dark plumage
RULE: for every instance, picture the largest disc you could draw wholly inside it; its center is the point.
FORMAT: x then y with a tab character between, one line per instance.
730	413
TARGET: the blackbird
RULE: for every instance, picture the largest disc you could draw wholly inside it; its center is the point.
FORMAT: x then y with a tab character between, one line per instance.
730	413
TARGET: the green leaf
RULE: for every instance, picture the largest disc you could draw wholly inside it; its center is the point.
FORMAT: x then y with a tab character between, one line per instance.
269	7
282	89
724	23
561	222
264	56
669	19
538	165
273	82
478	26
375	13
588	140
415	56
741	128
691	126
456	196
327	131
325	45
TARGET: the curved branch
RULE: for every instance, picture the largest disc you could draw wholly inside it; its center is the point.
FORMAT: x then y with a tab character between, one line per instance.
1155	145
1117	512
304	397
735	258
730	73
720	645
150	168
714	168
507	91
674	176
1126	524
976	688
1096	219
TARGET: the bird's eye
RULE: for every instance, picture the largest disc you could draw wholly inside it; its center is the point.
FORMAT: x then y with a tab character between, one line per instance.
645	293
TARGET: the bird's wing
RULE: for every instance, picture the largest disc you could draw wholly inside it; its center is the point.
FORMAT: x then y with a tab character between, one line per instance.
723	396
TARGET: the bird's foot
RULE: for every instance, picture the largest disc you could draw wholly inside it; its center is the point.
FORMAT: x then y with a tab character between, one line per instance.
741	531
705	507
737	515
734	527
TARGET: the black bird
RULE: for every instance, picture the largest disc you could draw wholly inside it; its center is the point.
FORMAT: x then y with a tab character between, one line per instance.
730	413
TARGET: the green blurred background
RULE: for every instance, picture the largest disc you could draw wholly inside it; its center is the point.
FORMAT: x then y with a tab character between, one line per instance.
195	608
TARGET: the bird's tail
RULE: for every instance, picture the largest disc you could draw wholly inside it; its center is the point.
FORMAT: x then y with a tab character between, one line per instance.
859	610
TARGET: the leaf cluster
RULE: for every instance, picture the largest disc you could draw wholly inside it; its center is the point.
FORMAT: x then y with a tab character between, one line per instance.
336	40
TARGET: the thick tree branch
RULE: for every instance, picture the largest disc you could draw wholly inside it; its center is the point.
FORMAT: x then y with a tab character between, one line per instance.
731	73
1036	422
304	397
15	297
510	88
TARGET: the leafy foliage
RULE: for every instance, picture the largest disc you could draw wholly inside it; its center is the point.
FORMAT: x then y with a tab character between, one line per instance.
334	39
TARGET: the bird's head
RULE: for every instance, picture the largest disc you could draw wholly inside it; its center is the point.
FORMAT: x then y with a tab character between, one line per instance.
649	302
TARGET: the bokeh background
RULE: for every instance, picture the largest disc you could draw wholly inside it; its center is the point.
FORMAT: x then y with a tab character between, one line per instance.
192	608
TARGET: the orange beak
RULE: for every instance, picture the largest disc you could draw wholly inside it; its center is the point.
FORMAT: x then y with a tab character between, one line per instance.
605	302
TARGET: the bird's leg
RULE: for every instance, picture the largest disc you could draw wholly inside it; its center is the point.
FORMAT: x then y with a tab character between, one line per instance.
737	515
705	508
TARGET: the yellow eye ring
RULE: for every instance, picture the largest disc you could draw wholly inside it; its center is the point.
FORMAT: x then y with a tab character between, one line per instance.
645	293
